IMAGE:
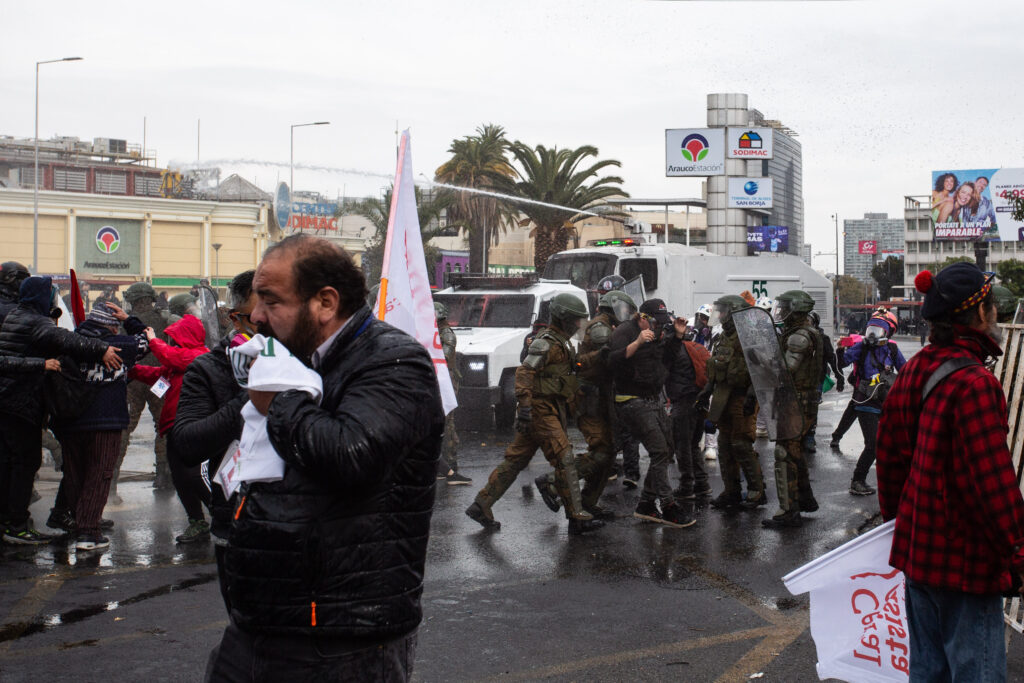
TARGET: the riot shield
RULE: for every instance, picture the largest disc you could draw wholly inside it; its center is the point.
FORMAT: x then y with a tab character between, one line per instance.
635	289
773	385
206	300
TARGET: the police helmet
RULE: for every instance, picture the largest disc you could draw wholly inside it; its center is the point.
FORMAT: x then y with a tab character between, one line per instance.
13	273
618	304
610	283
180	303
139	290
793	301
724	307
440	311
567	308
1006	302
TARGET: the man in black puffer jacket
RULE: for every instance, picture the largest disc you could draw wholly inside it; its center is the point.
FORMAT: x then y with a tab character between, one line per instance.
29	332
325	567
210	413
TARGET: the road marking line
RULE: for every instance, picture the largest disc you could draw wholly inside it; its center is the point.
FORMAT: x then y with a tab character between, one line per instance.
762	654
48	650
31	604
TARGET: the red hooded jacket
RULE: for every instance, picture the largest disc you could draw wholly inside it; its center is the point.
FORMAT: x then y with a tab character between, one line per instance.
190	337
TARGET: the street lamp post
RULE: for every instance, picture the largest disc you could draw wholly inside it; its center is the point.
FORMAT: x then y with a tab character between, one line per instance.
291	161
835	219
35	173
216	272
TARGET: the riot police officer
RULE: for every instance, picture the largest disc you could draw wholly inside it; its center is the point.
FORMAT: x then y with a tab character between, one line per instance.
141	301
448	466
179	305
1006	304
545	385
732	410
594	407
802	350
12	274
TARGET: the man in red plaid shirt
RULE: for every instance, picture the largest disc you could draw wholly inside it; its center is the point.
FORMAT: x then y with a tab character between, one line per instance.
946	477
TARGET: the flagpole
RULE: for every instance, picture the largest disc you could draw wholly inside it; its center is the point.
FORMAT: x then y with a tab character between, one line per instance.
382	295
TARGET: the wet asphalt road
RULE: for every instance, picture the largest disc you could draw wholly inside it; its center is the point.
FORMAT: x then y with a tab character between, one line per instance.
633	601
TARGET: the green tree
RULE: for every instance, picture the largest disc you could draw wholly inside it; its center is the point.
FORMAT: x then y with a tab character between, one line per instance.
557	176
430	207
475	159
851	290
888	274
1011	275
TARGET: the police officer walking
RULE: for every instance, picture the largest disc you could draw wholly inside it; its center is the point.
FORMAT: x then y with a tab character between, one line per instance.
140	298
732	409
448	465
802	349
594	407
545	385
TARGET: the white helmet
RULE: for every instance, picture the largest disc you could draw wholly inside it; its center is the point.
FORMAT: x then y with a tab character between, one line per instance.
704	310
765	302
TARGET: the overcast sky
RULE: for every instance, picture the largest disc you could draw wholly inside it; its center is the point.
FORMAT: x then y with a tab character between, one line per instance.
880	92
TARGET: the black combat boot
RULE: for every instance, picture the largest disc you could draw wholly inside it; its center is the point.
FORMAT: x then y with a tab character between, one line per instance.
547	493
726	501
785	520
754	500
582	526
599	512
482	517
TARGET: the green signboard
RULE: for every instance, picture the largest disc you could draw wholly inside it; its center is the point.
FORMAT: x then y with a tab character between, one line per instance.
108	246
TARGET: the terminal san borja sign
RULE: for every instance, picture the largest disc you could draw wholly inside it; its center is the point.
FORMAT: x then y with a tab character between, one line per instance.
694	152
748	143
750	193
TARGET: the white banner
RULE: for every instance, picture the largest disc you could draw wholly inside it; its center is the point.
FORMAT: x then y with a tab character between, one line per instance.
742	142
750	193
404	299
694	151
858	613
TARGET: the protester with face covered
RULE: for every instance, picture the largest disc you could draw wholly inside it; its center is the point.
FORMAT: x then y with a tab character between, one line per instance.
876	358
91	440
325	566
945	475
186	342
29	332
209	415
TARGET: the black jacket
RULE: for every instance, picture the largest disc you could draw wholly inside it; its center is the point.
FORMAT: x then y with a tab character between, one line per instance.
681	385
209	419
338	546
29	332
643	374
108	409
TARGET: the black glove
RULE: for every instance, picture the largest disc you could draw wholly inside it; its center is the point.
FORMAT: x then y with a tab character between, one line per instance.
749	404
523	419
840	382
704	396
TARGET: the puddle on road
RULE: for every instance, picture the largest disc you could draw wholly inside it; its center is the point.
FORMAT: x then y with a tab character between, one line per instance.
48	622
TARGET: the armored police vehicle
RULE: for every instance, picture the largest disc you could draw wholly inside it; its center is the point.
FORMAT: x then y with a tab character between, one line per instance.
492	316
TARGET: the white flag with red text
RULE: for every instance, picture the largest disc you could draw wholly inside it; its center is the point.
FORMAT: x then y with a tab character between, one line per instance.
404	298
858	612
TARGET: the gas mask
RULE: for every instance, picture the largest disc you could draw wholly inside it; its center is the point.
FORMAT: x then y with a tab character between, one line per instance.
874	335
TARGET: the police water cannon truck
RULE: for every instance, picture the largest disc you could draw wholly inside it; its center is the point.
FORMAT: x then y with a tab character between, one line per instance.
492	316
686	277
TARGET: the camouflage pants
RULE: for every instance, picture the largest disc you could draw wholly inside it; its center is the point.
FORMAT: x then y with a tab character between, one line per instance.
450	442
139	397
547	432
792	477
736	450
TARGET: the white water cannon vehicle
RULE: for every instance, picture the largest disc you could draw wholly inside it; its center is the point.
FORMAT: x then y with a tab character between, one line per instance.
491	316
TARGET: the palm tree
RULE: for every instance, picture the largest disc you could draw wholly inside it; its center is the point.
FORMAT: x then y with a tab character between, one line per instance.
554	176
475	159
430	208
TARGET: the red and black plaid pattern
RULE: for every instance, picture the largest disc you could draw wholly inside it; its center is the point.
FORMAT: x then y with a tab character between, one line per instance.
945	475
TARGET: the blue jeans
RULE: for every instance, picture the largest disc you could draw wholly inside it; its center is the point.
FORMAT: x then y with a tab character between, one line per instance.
955	636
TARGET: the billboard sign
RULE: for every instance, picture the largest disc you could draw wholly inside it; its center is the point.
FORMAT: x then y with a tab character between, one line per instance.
108	246
867	247
694	152
750	193
742	142
314	217
767	238
898	253
962	207
283	205
1007	186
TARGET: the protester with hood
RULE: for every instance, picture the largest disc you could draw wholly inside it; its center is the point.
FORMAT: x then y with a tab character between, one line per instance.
29	332
90	442
945	475
210	412
186	342
875	357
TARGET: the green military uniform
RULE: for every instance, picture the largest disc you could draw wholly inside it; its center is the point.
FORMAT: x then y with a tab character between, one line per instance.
595	408
728	374
141	298
802	348
450	444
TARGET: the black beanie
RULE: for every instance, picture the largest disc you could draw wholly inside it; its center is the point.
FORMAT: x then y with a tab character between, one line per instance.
956	288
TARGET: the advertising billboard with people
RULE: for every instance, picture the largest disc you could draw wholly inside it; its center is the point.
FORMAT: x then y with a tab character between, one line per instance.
961	205
770	238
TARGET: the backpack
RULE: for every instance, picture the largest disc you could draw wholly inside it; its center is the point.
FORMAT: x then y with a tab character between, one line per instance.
699	359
